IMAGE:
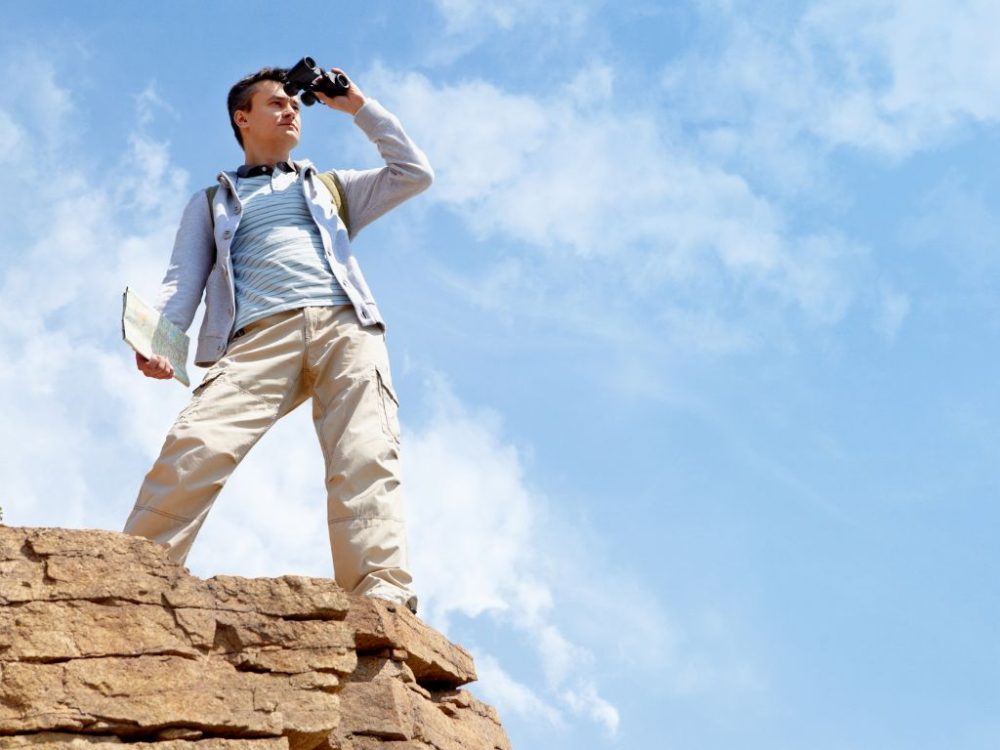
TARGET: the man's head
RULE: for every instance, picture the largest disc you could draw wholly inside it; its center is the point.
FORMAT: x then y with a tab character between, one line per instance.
260	110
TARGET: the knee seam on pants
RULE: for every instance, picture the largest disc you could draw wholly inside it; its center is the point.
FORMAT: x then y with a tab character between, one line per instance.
161	513
365	520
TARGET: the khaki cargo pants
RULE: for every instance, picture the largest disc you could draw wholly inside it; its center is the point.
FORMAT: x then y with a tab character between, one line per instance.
272	366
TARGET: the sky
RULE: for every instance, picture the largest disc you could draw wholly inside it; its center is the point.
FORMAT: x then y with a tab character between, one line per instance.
694	334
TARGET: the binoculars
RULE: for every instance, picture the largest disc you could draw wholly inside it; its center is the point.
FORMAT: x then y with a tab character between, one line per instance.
308	78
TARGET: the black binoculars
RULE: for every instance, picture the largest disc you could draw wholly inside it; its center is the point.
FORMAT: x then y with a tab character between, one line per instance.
308	78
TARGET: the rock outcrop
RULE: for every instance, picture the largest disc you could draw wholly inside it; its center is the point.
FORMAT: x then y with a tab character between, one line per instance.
104	641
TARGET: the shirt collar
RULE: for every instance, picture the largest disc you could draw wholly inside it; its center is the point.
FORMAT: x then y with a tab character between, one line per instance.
254	170
302	166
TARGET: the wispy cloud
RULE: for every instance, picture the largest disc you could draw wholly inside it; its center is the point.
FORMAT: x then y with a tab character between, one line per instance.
689	211
511	696
890	76
482	550
74	242
603	202
148	102
491	546
586	702
468	24
895	307
473	15
960	224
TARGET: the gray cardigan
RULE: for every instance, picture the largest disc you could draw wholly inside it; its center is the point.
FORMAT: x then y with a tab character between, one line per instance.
201	262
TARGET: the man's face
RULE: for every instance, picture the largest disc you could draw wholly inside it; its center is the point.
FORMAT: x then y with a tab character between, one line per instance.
273	119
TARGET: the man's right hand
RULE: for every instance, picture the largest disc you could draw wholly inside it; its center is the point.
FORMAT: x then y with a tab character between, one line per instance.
156	366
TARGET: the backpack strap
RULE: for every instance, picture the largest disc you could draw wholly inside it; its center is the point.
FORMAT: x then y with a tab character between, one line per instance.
332	183
210	194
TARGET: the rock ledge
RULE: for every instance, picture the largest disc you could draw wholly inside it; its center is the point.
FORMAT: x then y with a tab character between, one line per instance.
104	641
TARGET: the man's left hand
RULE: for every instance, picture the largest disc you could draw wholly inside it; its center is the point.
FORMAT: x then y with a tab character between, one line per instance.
350	102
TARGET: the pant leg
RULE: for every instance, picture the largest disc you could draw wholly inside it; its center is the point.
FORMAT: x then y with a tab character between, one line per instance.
241	396
355	414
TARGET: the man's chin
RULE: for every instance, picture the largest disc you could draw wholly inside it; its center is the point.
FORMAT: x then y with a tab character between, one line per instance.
289	139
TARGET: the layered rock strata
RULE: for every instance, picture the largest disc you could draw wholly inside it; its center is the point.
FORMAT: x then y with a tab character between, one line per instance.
104	641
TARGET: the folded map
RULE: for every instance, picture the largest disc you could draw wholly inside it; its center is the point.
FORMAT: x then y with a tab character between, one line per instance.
149	333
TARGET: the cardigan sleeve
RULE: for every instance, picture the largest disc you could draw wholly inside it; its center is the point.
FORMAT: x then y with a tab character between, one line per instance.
371	193
190	263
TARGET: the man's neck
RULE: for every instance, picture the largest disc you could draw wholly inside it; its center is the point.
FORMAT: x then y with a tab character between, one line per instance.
254	155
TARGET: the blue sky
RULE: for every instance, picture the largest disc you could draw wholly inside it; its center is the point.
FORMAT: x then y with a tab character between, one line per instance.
694	333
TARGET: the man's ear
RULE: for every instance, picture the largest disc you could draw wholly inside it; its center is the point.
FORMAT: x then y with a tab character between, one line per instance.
240	118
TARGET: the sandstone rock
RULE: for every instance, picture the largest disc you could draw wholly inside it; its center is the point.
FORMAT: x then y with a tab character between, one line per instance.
379	625
289	597
383	703
132	696
51	564
379	709
103	640
57	741
50	631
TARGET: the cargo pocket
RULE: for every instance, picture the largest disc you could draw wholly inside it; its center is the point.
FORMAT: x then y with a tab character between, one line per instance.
210	377
388	407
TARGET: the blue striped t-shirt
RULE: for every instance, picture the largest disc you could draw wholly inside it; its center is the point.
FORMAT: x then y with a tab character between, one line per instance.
278	258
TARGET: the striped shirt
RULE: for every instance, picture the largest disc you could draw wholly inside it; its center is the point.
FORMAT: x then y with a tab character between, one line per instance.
278	257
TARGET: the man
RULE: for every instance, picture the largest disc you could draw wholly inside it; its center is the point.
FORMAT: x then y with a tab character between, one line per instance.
288	316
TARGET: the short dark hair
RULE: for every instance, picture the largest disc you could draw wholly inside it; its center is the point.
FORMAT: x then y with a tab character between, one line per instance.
241	94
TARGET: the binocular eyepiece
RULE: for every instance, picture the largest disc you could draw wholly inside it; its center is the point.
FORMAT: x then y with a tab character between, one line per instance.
308	78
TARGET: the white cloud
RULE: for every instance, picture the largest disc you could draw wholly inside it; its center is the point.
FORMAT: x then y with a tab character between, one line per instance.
39	102
607	200
888	76
479	544
509	696
917	68
714	660
468	16
473	514
586	702
593	83
703	330
489	546
148	102
959	223
471	24
895	307
74	244
12	136
270	518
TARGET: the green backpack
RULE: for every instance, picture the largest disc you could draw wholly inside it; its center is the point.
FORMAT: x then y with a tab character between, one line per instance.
329	179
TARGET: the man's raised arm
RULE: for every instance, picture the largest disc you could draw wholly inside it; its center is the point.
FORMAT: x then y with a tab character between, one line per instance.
372	192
